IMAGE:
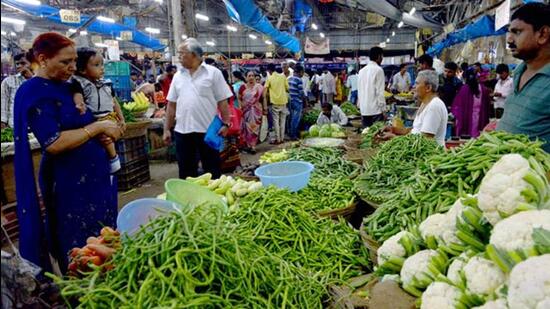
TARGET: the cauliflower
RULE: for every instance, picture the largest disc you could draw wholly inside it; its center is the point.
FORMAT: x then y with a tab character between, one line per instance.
512	238
419	270
456	266
529	284
494	304
432	228
395	249
511	185
483	276
440	295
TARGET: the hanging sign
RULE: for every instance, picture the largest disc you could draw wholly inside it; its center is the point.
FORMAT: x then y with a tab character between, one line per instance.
113	51
96	39
314	48
126	35
449	28
376	19
70	16
502	17
164	42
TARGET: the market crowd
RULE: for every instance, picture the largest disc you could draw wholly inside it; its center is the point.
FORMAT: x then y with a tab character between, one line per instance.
60	95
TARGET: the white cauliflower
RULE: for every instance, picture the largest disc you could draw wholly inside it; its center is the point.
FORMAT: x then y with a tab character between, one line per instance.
483	276
493	304
458	263
529	284
515	232
419	270
511	185
440	295
392	248
449	232
432	229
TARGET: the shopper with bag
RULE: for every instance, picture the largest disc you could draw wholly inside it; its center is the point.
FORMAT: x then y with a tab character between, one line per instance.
197	92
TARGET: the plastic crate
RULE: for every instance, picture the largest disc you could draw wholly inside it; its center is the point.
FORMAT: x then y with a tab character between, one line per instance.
117	68
128	182
119	82
133	168
128	144
124	95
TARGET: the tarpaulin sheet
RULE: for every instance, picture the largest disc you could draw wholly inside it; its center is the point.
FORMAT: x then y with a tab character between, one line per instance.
302	13
245	12
112	29
483	27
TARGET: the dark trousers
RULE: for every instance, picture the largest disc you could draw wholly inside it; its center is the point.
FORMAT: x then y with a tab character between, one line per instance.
190	148
498	112
368	121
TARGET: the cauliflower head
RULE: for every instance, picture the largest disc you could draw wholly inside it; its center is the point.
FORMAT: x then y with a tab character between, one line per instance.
511	185
392	248
529	284
483	276
494	304
515	232
432	229
418	269
458	263
440	295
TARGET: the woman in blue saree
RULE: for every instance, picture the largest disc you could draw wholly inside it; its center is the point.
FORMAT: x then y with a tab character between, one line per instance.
77	190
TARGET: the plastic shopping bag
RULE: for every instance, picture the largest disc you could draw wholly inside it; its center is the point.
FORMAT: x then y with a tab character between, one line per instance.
212	138
235	119
264	128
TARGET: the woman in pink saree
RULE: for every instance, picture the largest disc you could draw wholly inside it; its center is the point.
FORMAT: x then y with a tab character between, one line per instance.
249	98
471	107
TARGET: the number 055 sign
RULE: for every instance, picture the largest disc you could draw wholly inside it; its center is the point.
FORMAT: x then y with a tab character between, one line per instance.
70	16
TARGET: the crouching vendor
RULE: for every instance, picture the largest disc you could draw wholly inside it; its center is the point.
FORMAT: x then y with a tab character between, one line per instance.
332	114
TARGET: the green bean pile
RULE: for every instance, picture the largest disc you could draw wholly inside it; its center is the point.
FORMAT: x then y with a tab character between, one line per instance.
368	138
328	162
326	194
397	159
443	178
195	259
275	220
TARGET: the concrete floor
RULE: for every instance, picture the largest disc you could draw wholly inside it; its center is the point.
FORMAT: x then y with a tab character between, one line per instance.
162	170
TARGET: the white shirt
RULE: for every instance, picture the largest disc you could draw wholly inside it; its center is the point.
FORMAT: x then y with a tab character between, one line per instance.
197	97
319	81
352	82
336	116
9	87
505	88
306	84
401	83
370	86
329	83
432	120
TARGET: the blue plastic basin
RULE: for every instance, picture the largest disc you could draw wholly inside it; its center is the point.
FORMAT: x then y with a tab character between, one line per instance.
292	175
140	212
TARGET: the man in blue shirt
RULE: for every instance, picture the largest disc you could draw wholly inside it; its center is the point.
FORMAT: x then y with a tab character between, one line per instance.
528	107
296	90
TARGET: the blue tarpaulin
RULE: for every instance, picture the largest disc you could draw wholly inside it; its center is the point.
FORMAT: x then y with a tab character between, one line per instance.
483	27
112	29
245	12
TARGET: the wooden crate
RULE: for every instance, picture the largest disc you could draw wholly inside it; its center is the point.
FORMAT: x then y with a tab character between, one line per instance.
8	175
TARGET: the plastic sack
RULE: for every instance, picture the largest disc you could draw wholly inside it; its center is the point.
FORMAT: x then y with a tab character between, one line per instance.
236	116
212	138
264	128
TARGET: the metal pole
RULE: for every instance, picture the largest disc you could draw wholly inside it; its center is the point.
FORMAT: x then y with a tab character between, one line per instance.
176	21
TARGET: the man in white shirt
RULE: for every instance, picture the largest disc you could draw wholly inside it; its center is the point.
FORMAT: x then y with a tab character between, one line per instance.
306	84
329	87
401	81
332	114
351	83
503	88
10	85
370	86
197	92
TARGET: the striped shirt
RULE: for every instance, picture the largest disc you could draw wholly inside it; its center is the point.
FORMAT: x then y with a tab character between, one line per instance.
295	88
9	88
528	110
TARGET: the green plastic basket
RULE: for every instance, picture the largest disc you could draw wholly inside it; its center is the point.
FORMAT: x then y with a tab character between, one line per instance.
189	194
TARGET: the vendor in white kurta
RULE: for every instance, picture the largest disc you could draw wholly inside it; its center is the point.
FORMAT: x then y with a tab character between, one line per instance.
197	92
431	117
332	114
503	88
370	87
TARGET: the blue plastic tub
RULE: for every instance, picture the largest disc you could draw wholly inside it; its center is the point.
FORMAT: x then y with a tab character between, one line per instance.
292	175
140	212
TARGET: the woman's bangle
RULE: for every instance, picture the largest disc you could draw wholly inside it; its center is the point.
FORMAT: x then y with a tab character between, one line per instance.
88	132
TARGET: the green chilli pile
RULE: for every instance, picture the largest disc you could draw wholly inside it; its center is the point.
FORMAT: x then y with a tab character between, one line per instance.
444	177
283	225
369	133
398	159
195	259
323	193
328	162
